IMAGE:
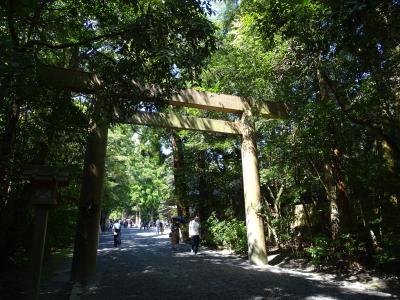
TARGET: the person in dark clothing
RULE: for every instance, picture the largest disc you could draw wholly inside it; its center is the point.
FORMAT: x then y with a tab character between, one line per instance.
117	233
174	235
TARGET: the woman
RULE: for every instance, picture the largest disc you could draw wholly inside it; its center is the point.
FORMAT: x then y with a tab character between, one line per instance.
161	227
174	235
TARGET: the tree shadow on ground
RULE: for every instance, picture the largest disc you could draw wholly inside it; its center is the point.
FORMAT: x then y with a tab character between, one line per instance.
153	271
144	267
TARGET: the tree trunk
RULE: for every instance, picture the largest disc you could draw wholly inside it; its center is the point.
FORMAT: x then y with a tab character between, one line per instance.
334	183
179	178
203	187
330	189
87	231
272	235
7	151
138	217
7	203
103	224
342	198
371	242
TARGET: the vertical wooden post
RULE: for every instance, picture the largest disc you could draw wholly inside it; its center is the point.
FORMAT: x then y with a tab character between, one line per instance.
43	182
39	239
251	182
138	220
87	231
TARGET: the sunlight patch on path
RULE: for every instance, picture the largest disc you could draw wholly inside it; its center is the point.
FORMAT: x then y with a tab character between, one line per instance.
154	271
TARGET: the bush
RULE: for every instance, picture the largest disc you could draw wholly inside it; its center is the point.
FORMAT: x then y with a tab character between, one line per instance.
230	233
320	250
325	250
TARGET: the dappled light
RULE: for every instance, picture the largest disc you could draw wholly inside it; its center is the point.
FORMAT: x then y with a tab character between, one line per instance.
277	129
145	268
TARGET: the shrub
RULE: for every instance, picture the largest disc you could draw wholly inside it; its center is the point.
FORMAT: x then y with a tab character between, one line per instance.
320	250
230	233
346	247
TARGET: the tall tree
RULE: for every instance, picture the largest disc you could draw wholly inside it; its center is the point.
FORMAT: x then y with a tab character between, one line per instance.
120	41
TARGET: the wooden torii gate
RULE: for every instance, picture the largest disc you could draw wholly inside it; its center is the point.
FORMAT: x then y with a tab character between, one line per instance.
86	242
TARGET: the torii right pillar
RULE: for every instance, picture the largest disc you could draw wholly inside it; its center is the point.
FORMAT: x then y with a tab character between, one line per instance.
251	183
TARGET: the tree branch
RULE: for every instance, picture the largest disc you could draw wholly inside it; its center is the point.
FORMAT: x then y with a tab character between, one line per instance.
46	44
110	59
368	123
318	175
35	18
10	22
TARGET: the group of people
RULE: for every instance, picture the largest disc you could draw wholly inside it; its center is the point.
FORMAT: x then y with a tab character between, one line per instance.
159	224
124	222
159	227
194	232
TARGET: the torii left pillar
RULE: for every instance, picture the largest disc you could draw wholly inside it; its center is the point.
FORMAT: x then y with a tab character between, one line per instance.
87	230
251	183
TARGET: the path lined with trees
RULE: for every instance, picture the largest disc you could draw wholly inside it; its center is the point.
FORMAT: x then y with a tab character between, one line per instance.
144	267
329	173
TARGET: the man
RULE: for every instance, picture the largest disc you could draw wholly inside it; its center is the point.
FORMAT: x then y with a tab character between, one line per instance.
158	227
161	226
194	233
117	233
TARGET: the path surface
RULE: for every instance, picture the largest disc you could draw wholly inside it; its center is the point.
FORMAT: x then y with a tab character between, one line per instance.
144	267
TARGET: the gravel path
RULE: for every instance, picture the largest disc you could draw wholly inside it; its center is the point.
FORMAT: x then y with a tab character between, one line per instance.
144	267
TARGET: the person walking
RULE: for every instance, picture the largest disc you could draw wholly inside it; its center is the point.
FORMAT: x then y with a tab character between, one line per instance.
157	226
194	233
174	235
161	226
117	233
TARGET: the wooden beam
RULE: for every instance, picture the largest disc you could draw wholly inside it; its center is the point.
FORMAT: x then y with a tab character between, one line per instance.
182	122
76	81
85	82
226	103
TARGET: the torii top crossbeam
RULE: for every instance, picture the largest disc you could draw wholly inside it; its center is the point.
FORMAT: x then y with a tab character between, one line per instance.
85	82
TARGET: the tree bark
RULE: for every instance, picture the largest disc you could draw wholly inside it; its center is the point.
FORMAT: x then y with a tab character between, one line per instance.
7	149
203	187
87	231
179	178
334	183
7	203
341	191
331	196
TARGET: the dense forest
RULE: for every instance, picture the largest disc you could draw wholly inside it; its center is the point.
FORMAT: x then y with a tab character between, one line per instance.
329	172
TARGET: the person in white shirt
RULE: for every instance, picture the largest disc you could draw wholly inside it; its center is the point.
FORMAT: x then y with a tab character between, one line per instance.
158	227
117	233
194	233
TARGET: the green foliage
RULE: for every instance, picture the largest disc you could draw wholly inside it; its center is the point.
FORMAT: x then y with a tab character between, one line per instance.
229	233
62	220
119	40
320	251
325	250
384	258
136	178
387	255
335	64
331	63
